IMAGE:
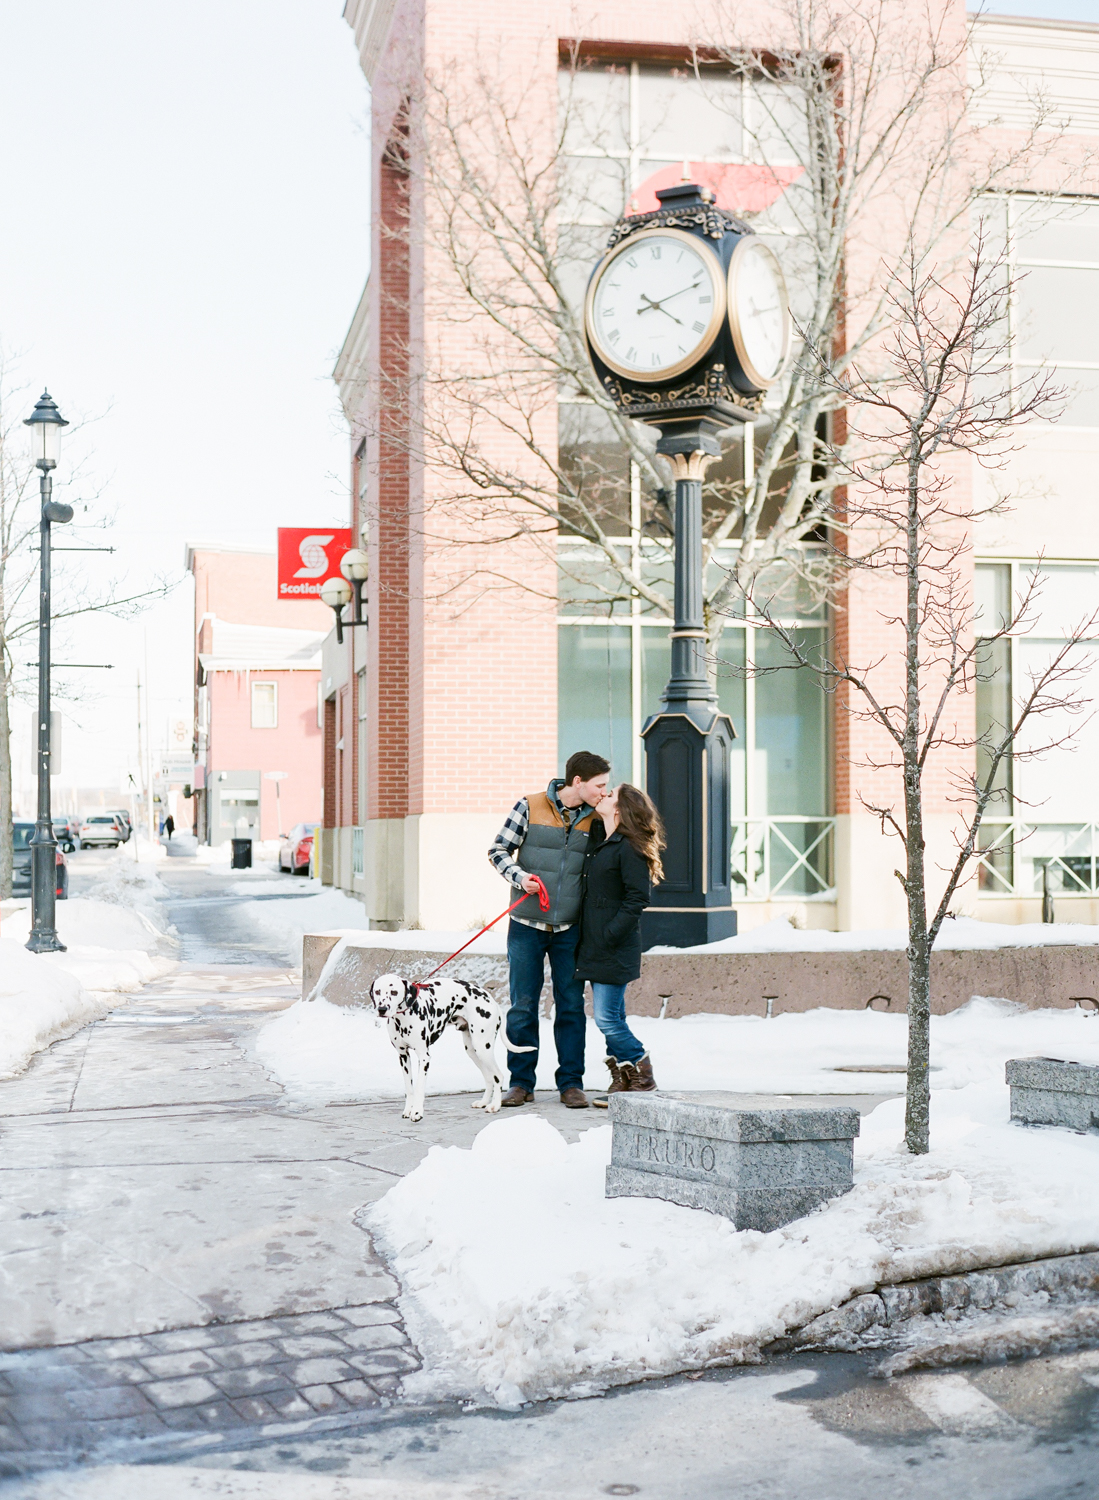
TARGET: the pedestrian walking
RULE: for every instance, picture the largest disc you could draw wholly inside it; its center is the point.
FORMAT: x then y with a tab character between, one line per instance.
169	825
620	867
546	835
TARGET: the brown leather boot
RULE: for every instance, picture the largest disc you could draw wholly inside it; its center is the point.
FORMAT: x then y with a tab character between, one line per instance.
516	1096
602	1101
574	1098
638	1076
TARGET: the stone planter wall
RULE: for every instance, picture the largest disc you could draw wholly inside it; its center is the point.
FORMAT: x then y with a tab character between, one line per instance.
758	984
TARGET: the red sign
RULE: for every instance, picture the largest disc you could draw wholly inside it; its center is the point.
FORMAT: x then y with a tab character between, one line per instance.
308	557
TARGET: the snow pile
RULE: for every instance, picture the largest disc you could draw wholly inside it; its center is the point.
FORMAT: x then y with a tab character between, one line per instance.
39	1003
778	936
280	924
133	886
521	1280
329	1052
117	939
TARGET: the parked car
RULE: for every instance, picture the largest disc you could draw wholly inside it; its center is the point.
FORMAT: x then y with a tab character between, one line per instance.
66	831
296	849
102	828
124	819
21	864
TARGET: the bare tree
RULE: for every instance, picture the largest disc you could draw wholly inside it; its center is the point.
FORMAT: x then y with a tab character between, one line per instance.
868	103
19	524
943	390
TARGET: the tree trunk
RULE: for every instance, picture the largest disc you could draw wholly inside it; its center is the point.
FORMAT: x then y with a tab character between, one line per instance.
6	811
918	1097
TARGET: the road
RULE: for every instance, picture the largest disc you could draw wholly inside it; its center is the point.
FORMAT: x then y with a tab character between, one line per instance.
187	1303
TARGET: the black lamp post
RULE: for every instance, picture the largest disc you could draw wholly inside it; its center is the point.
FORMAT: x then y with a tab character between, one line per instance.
45	423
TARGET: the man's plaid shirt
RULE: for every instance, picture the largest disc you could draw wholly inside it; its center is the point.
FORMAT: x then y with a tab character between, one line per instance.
510	838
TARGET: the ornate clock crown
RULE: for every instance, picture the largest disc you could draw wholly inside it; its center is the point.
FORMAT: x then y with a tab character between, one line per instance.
685	206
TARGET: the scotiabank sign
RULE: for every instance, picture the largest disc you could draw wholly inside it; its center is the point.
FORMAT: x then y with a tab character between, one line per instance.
308	557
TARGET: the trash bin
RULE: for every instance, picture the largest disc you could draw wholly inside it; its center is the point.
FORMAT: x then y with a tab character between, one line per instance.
242	854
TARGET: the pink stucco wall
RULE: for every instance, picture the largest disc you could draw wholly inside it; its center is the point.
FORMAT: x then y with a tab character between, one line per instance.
294	746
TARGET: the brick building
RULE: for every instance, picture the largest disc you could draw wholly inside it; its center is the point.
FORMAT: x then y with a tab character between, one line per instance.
257	698
488	658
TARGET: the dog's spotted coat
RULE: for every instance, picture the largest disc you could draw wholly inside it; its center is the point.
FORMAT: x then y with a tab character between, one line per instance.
418	1014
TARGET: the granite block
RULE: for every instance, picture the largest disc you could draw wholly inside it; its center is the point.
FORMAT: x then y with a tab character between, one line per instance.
1049	1091
732	1154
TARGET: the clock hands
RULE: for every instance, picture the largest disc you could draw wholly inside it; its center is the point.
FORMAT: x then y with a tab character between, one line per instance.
656	307
659	306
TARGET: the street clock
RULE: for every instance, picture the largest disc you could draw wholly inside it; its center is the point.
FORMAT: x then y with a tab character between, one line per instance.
687	311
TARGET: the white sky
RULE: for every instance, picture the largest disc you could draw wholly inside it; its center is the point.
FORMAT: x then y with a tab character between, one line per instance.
186	209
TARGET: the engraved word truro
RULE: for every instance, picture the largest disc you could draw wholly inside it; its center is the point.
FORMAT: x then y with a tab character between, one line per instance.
675	1150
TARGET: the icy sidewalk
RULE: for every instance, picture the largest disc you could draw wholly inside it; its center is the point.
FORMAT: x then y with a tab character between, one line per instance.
523	1282
117	939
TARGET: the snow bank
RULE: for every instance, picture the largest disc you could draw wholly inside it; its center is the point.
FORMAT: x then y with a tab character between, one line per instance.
281	924
328	1052
117	939
778	936
521	1280
39	1003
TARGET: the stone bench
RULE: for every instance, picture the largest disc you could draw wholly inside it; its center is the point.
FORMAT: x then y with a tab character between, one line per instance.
744	1156
1047	1091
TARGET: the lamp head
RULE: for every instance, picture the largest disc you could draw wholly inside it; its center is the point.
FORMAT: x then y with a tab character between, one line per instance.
355	565
336	593
45	423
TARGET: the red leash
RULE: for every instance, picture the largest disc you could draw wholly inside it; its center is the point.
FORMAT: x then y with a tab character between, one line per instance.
543	905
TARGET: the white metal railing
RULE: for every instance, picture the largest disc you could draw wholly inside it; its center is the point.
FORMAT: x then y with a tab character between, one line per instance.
357	836
784	858
1017	857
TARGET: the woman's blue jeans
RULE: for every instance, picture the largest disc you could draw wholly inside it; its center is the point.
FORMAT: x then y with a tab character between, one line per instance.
609	1003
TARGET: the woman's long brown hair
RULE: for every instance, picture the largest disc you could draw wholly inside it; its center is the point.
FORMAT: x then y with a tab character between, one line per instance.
641	825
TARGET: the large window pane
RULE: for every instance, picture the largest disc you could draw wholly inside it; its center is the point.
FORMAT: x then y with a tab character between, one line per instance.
597	466
682	117
1065	231
791	748
595	106
731	698
593	694
1058	313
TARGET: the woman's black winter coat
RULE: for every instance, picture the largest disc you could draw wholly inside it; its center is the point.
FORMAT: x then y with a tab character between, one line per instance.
617	889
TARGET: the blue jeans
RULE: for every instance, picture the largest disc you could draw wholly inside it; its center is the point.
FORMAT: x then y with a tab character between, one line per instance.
527	950
610	1016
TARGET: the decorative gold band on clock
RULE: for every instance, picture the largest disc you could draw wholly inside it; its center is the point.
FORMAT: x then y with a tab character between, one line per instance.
691	465
687	635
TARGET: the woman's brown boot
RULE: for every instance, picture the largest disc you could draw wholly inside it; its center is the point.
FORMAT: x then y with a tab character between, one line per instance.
618	1084
640	1079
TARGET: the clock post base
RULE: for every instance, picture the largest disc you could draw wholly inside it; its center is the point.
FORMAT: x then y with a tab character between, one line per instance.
686	929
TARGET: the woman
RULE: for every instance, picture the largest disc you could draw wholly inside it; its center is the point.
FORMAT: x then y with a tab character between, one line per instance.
619	870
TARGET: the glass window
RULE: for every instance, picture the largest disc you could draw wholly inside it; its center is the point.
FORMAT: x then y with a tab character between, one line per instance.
790	769
1063	231
265	705
594	461
1058	313
594	701
683	116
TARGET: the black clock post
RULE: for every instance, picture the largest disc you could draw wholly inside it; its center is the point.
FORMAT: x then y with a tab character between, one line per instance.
688	743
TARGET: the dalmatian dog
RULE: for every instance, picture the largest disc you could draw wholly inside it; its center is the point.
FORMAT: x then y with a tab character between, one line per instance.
416	1016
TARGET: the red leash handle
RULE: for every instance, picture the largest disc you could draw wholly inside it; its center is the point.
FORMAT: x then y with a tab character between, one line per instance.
543	905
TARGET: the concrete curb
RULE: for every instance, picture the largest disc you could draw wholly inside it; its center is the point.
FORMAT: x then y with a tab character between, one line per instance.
843	1327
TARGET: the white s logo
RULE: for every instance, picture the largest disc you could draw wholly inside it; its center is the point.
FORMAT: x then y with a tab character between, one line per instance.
313	556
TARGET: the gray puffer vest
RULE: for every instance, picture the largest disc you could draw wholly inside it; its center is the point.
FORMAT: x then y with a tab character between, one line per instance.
555	853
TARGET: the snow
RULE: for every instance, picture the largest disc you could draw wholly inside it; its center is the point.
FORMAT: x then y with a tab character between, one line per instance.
778	936
281	923
522	1282
327	1052
117	939
286	885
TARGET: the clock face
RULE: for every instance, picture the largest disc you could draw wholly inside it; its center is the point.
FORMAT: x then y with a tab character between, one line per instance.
656	304
759	315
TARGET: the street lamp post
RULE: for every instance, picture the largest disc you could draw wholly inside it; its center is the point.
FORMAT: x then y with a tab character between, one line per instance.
45	423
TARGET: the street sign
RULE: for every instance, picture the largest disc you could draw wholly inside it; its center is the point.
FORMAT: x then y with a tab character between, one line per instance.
308	557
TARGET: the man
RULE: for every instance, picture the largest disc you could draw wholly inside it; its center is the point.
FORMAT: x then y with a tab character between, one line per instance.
546	835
